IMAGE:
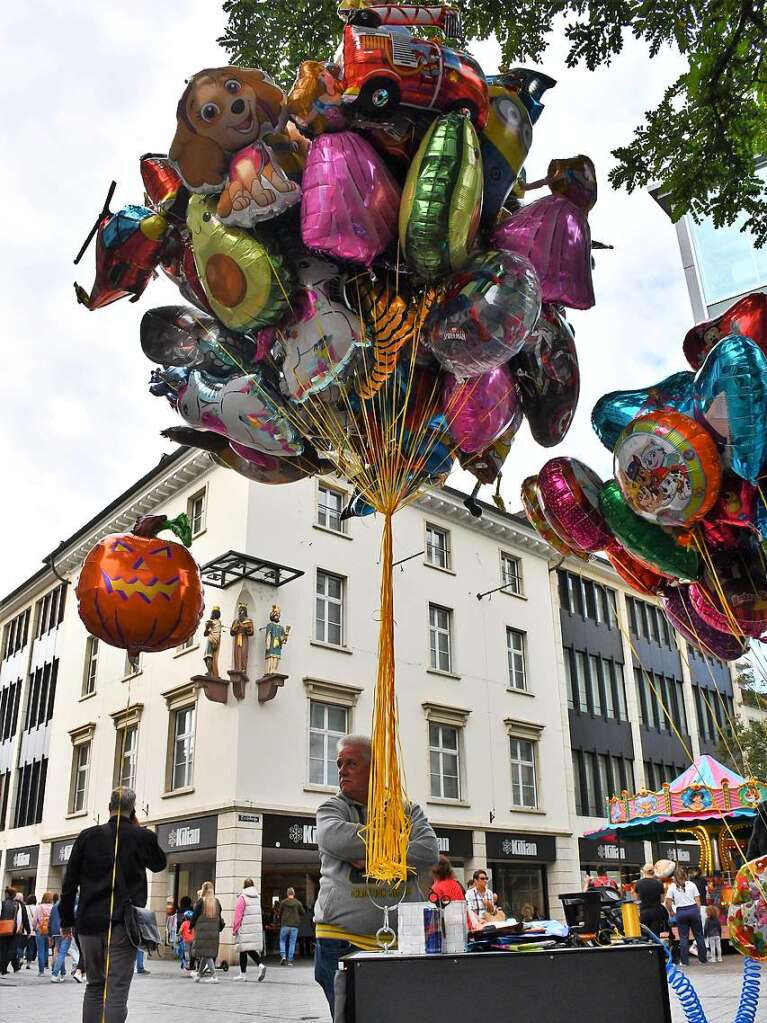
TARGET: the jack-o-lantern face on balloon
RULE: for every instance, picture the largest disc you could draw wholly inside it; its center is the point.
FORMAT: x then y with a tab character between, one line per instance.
138	591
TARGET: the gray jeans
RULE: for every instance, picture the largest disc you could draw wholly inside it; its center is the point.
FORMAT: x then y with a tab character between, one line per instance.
122	956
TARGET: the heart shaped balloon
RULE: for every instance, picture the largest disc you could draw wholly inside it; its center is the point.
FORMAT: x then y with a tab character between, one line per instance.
731	400
531	502
570	498
682	616
733	594
350	205
546	372
614	411
748	317
480	409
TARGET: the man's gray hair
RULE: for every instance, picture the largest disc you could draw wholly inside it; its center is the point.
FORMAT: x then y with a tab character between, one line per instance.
123	801
362	741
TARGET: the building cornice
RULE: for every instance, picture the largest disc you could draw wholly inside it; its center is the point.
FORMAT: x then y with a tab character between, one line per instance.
171	475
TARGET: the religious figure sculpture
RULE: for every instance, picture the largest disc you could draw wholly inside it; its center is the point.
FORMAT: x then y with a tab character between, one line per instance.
276	638
241	629
212	636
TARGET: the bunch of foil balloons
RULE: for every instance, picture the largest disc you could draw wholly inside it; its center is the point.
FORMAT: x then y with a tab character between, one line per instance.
685	517
366	292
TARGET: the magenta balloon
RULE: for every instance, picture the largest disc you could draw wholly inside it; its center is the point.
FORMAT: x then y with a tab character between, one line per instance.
554	234
480	409
570	496
350	205
678	607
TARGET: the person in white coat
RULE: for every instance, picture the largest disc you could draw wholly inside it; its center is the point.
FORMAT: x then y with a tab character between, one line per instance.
248	928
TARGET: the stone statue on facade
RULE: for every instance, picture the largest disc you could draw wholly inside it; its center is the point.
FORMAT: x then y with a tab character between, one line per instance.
276	637
212	636
241	630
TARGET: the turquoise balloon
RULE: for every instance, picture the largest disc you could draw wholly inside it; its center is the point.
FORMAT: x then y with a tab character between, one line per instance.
731	400
614	411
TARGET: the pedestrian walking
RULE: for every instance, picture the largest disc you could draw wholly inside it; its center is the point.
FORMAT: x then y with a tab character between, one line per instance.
651	910
248	928
60	945
30	947
290	911
140	968
712	931
683	901
102	934
10	920
41	919
306	934
207	923
186	935
23	931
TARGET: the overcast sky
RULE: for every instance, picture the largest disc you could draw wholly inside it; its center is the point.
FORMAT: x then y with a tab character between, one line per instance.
88	88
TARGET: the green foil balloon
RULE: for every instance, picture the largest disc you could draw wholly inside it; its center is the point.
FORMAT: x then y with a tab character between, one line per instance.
247	283
442	199
645	540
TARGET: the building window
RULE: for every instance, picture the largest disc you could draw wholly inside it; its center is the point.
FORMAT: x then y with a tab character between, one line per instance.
81	760
438	547
578	784
329	609
444	762
327	724
515	651
10	700
91	665
41	695
196	510
49	610
189	642
440	644
182	747
330	504
131	668
588	598
511	573
524	791
126	751
30	792
5	789
15	634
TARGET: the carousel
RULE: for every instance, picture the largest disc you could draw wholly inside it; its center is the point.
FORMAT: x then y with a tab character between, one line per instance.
707	802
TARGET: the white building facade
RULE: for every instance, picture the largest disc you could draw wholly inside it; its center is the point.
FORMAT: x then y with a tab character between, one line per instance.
510	744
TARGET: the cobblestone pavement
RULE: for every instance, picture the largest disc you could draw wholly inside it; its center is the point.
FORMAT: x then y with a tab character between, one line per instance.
287	994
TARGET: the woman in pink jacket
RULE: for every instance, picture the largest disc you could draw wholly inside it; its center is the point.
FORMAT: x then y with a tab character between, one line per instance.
247	927
40	925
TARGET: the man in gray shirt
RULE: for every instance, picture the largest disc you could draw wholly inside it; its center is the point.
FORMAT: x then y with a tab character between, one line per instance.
344	914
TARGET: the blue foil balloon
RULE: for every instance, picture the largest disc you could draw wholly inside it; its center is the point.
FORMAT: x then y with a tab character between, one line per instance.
614	411
731	400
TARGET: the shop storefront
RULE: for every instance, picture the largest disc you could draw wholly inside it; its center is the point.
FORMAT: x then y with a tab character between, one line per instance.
458	846
685	854
517	862
60	853
21	868
290	859
624	860
191	849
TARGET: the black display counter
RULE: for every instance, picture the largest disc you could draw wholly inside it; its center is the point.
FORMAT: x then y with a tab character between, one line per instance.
618	984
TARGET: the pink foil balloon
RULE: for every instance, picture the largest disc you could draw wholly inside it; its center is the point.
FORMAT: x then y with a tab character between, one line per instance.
750	622
570	495
480	409
680	610
350	205
555	236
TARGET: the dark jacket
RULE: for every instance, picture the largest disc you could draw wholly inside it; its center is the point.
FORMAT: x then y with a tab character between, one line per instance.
758	845
90	869
8	909
206	931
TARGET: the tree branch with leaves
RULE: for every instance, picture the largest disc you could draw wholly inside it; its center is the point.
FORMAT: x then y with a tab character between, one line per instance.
702	142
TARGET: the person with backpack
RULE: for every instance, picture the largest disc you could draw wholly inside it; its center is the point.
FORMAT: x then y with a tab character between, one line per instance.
10	915
186	941
41	919
208	923
101	909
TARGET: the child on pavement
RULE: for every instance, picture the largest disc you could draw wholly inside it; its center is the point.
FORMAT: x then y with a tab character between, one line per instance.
186	937
712	932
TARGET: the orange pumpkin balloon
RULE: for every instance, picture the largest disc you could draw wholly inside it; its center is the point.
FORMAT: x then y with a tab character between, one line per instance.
138	591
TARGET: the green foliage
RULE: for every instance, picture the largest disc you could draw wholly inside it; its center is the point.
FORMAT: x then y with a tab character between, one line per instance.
744	746
701	141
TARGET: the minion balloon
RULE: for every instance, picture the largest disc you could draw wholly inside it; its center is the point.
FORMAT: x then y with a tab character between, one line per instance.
515	106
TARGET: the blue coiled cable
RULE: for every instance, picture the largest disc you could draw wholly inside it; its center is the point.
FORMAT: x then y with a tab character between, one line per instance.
749	994
683	989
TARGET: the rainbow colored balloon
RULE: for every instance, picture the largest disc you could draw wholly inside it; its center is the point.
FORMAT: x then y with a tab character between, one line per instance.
747	917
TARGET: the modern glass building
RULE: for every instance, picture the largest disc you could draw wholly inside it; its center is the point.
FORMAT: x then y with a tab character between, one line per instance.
720	264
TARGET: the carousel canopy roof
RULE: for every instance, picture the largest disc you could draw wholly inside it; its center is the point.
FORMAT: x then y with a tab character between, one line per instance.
706	791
